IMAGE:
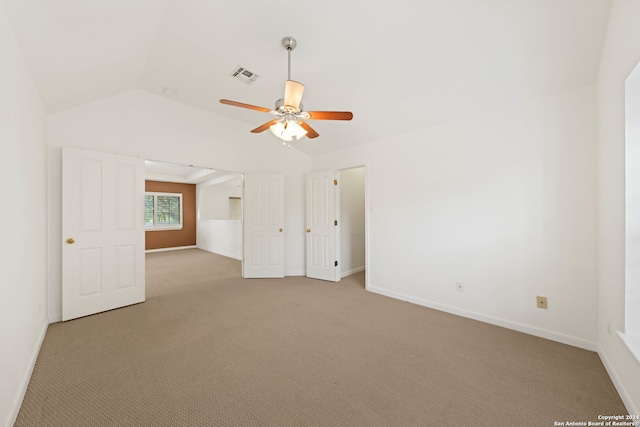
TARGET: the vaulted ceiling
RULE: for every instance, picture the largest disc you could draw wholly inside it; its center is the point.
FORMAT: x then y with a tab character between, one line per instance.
397	65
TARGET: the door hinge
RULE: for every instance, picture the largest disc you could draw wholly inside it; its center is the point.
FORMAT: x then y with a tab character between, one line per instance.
336	263
335	182
335	222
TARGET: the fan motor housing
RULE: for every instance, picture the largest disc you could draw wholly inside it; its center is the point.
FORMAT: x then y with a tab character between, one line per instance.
281	107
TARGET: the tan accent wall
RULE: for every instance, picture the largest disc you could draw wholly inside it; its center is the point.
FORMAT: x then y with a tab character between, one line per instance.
174	238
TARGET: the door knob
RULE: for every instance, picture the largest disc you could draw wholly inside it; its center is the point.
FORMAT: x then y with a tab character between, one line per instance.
281	230
308	230
70	241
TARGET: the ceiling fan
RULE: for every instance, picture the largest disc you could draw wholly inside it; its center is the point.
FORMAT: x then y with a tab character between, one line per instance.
290	123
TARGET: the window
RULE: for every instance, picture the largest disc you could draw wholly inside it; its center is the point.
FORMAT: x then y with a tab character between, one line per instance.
163	211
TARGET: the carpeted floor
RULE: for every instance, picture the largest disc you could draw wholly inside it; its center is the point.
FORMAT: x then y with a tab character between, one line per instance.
208	348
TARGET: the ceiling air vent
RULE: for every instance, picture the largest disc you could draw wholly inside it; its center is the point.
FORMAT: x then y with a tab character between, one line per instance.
244	75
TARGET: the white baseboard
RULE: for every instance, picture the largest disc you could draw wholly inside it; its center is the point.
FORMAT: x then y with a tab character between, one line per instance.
342	274
177	248
352	271
295	273
17	402
520	327
622	391
222	253
55	318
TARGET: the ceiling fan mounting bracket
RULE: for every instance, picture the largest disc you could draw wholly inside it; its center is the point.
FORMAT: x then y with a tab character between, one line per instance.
289	43
287	108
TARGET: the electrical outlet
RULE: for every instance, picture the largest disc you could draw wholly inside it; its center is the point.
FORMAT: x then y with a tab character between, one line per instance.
459	286
541	302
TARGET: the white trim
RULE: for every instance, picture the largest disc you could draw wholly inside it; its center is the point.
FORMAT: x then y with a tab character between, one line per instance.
228	255
632	342
520	327
163	228
622	391
175	248
295	273
352	271
55	318
222	253
17	403
368	208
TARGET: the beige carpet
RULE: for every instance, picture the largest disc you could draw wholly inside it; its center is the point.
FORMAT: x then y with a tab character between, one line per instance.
211	349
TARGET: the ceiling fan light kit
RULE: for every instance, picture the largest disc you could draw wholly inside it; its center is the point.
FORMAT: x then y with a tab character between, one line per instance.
290	124
287	131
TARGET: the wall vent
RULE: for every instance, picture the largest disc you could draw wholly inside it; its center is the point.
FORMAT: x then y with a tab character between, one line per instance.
244	75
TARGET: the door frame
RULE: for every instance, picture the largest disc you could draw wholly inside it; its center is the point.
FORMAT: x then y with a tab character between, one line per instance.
368	208
242	174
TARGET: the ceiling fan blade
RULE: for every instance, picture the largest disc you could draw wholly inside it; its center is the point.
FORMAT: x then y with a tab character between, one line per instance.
264	127
240	104
330	115
293	93
311	133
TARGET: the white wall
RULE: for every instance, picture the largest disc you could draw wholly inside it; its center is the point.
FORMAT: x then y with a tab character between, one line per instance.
213	200
23	319
223	237
216	232
137	123
352	219
503	201
632	206
620	55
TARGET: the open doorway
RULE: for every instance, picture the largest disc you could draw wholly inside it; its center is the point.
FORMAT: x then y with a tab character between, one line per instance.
210	216
336	224
352	221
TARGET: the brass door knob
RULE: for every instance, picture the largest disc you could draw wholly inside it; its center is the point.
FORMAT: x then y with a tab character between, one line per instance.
281	230
70	241
308	230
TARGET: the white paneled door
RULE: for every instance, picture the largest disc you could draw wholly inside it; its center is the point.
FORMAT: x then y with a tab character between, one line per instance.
102	232
263	211
322	226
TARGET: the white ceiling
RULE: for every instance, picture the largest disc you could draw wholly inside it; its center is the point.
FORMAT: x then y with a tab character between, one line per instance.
189	174
398	66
